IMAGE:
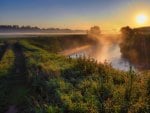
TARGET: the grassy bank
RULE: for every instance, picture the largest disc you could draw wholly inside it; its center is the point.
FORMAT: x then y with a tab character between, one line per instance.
56	44
6	68
82	85
57	84
135	47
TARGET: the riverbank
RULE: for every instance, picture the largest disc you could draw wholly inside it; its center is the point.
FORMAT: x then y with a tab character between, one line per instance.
75	50
57	84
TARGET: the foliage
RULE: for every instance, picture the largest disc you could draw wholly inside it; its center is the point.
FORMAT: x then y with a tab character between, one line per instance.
56	44
6	63
58	84
135	47
82	85
6	67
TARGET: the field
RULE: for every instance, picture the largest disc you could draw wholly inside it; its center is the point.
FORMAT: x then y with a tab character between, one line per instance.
35	79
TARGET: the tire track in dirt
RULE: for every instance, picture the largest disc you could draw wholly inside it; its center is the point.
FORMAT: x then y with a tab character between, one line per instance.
18	80
3	49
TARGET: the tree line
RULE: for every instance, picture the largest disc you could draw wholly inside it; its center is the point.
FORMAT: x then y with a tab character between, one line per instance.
17	28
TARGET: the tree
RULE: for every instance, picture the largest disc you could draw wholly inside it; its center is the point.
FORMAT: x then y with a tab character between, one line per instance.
95	30
94	33
127	31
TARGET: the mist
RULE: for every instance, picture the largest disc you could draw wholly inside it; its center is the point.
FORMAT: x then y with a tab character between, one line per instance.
106	49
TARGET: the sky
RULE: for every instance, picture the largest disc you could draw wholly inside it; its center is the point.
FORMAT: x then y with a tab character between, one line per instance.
74	14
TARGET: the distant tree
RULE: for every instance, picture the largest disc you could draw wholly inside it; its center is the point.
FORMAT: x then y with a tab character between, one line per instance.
15	27
95	30
127	31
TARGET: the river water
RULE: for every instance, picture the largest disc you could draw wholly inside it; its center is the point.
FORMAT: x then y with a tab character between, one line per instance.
107	50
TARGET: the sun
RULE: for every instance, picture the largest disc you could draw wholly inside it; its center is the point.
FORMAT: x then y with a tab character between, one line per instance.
141	19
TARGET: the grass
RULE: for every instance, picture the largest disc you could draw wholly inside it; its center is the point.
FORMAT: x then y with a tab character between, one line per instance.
54	44
58	84
6	67
82	85
6	63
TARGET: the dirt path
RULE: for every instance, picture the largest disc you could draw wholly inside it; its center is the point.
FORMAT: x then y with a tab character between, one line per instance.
18	82
3	48
20	67
12	109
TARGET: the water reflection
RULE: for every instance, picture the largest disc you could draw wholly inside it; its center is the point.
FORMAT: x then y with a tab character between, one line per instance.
107	50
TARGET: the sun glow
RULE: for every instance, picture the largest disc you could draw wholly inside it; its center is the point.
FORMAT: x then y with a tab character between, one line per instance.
141	19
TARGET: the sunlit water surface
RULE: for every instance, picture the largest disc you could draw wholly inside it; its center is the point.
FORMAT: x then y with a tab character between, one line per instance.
107	50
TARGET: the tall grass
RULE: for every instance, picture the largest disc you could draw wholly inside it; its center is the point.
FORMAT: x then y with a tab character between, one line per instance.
82	85
6	63
6	68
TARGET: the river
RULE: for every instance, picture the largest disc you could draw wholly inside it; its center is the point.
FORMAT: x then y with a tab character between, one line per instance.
107	50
